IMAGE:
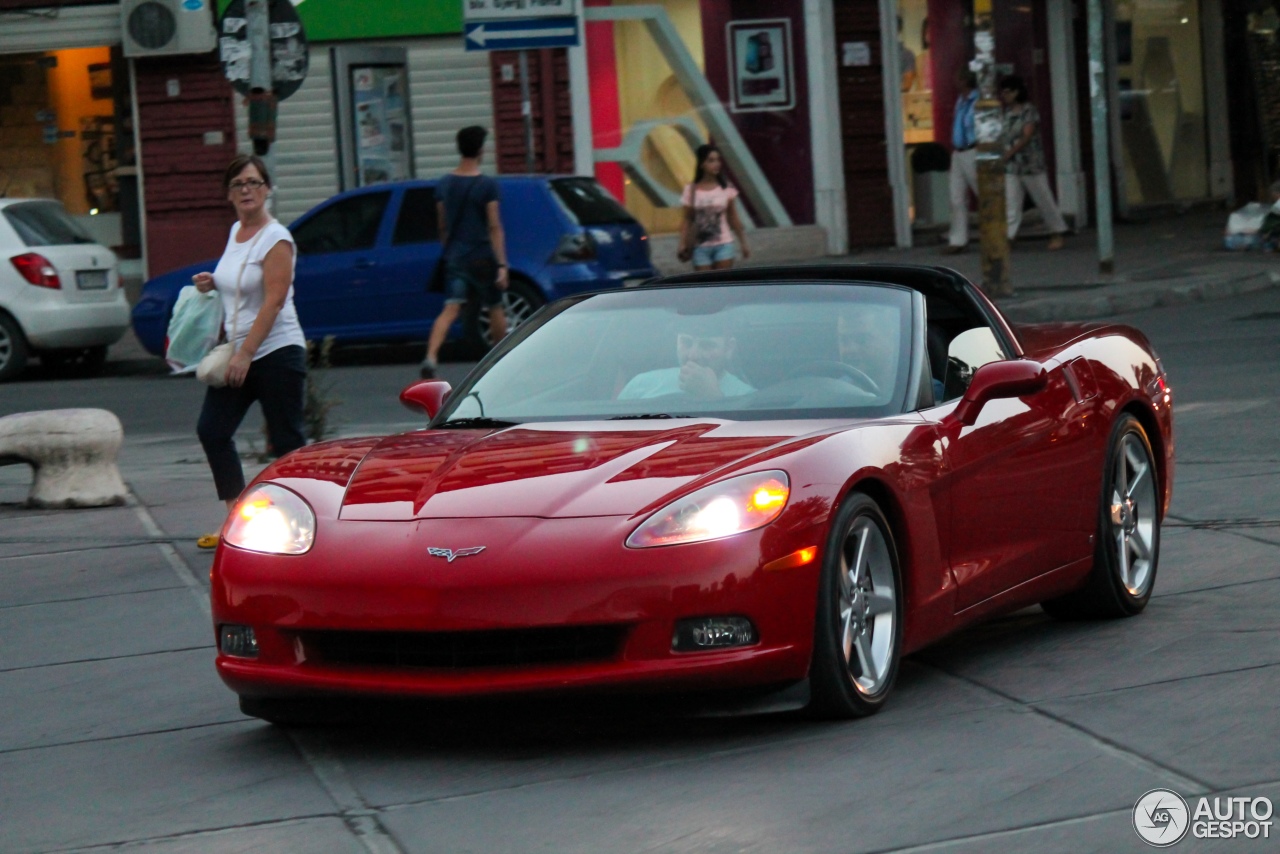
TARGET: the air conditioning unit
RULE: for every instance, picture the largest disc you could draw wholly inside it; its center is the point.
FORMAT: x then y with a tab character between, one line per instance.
163	27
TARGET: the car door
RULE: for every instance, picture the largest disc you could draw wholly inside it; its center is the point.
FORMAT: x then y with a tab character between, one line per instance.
405	266
1014	478
335	283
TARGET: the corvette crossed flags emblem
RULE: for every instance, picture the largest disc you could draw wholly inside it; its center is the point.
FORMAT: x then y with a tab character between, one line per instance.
450	554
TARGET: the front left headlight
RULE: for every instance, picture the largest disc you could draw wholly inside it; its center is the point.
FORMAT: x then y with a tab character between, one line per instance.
722	509
272	520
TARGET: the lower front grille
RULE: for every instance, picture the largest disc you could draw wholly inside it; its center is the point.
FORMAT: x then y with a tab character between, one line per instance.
462	650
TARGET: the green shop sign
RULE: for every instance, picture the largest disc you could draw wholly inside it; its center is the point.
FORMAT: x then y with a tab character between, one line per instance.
344	20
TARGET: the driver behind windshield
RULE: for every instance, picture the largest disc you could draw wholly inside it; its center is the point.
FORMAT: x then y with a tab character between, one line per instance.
867	337
705	348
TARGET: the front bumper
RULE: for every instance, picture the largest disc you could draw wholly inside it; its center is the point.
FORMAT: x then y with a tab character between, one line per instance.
534	573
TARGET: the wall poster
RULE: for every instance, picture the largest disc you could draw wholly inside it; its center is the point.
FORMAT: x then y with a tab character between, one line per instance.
760	65
381	122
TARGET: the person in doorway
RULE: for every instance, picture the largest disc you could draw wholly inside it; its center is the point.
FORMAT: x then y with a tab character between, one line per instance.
475	250
906	61
254	277
711	216
963	178
1025	171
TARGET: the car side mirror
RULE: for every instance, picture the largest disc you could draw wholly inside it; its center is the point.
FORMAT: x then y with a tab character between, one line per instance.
426	395
998	381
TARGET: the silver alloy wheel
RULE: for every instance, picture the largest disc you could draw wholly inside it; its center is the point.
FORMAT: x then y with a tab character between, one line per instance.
1133	514
868	606
515	305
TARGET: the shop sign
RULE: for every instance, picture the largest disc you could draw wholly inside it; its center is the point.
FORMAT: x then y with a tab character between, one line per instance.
760	65
347	20
504	10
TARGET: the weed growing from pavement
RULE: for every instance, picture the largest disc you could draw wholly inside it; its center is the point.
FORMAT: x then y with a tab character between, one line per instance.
320	399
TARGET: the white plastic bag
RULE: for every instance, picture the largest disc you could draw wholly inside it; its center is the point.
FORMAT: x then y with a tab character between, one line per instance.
1243	226
194	329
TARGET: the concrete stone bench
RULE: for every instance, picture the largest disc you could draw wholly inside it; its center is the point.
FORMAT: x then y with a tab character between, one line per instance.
73	453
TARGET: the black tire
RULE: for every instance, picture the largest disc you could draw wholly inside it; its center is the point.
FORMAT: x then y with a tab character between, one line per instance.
290	712
13	348
835	677
1118	585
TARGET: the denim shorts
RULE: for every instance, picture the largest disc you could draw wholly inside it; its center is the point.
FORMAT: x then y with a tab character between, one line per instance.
462	284
705	256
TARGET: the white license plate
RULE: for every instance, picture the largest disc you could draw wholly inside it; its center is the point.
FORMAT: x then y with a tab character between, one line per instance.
91	280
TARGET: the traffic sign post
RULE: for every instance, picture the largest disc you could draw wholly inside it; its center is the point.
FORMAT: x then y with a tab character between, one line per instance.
264	54
521	25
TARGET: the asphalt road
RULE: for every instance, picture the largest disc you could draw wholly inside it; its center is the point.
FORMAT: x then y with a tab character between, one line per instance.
1023	734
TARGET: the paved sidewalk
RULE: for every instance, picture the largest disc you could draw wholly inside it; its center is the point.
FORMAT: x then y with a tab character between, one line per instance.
1168	260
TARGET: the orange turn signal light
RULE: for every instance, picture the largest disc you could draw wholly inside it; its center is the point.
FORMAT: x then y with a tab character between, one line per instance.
249	509
799	557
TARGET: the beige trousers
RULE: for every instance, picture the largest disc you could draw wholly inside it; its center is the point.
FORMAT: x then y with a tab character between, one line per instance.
1017	187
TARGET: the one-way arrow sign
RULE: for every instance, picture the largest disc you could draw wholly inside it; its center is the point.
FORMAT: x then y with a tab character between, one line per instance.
521	34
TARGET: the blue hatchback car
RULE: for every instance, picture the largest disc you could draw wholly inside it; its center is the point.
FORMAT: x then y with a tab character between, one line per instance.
364	258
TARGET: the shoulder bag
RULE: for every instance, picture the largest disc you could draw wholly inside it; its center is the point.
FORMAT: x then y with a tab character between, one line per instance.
436	284
212	370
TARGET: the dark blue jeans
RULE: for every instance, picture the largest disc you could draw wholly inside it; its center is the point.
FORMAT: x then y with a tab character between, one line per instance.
277	381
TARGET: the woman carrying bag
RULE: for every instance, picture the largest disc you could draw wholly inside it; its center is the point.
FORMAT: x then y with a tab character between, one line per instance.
710	214
268	352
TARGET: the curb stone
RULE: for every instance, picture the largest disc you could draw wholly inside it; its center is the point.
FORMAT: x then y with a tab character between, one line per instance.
1135	297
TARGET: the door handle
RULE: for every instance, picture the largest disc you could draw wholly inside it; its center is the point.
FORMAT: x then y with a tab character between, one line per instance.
365	263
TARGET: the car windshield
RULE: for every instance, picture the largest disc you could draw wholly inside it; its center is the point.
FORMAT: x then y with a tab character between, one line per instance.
589	203
748	352
44	223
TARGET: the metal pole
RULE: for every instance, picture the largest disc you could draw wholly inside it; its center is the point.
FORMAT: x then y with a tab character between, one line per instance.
526	110
1101	139
988	118
262	99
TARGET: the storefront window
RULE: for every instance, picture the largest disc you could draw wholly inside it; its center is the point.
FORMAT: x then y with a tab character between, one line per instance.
668	76
1160	77
64	134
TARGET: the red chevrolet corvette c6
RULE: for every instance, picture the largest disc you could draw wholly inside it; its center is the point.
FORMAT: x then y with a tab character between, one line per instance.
758	480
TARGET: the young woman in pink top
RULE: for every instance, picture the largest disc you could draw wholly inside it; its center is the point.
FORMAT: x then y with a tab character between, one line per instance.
710	216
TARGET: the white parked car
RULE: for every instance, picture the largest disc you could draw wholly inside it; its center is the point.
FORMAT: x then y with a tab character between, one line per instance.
60	294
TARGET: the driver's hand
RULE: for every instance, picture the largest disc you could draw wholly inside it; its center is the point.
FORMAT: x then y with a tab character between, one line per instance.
699	380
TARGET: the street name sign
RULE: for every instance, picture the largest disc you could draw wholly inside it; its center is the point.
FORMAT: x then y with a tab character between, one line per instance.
520	34
506	10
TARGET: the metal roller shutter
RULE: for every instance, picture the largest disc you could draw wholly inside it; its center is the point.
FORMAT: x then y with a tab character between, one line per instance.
33	31
449	89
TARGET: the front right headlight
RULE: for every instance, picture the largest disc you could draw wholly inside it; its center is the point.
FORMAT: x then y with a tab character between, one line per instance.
732	506
272	520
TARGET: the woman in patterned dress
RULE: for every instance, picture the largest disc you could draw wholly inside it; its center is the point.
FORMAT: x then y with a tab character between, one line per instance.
1025	171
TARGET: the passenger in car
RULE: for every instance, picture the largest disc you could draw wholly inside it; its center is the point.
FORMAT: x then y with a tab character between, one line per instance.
705	348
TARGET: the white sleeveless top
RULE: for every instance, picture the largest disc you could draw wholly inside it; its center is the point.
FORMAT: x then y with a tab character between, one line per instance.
286	330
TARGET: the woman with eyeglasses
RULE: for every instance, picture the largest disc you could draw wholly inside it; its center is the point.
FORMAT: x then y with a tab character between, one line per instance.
1025	170
254	277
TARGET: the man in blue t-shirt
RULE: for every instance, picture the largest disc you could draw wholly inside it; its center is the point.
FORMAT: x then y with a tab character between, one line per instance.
964	160
704	350
475	251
